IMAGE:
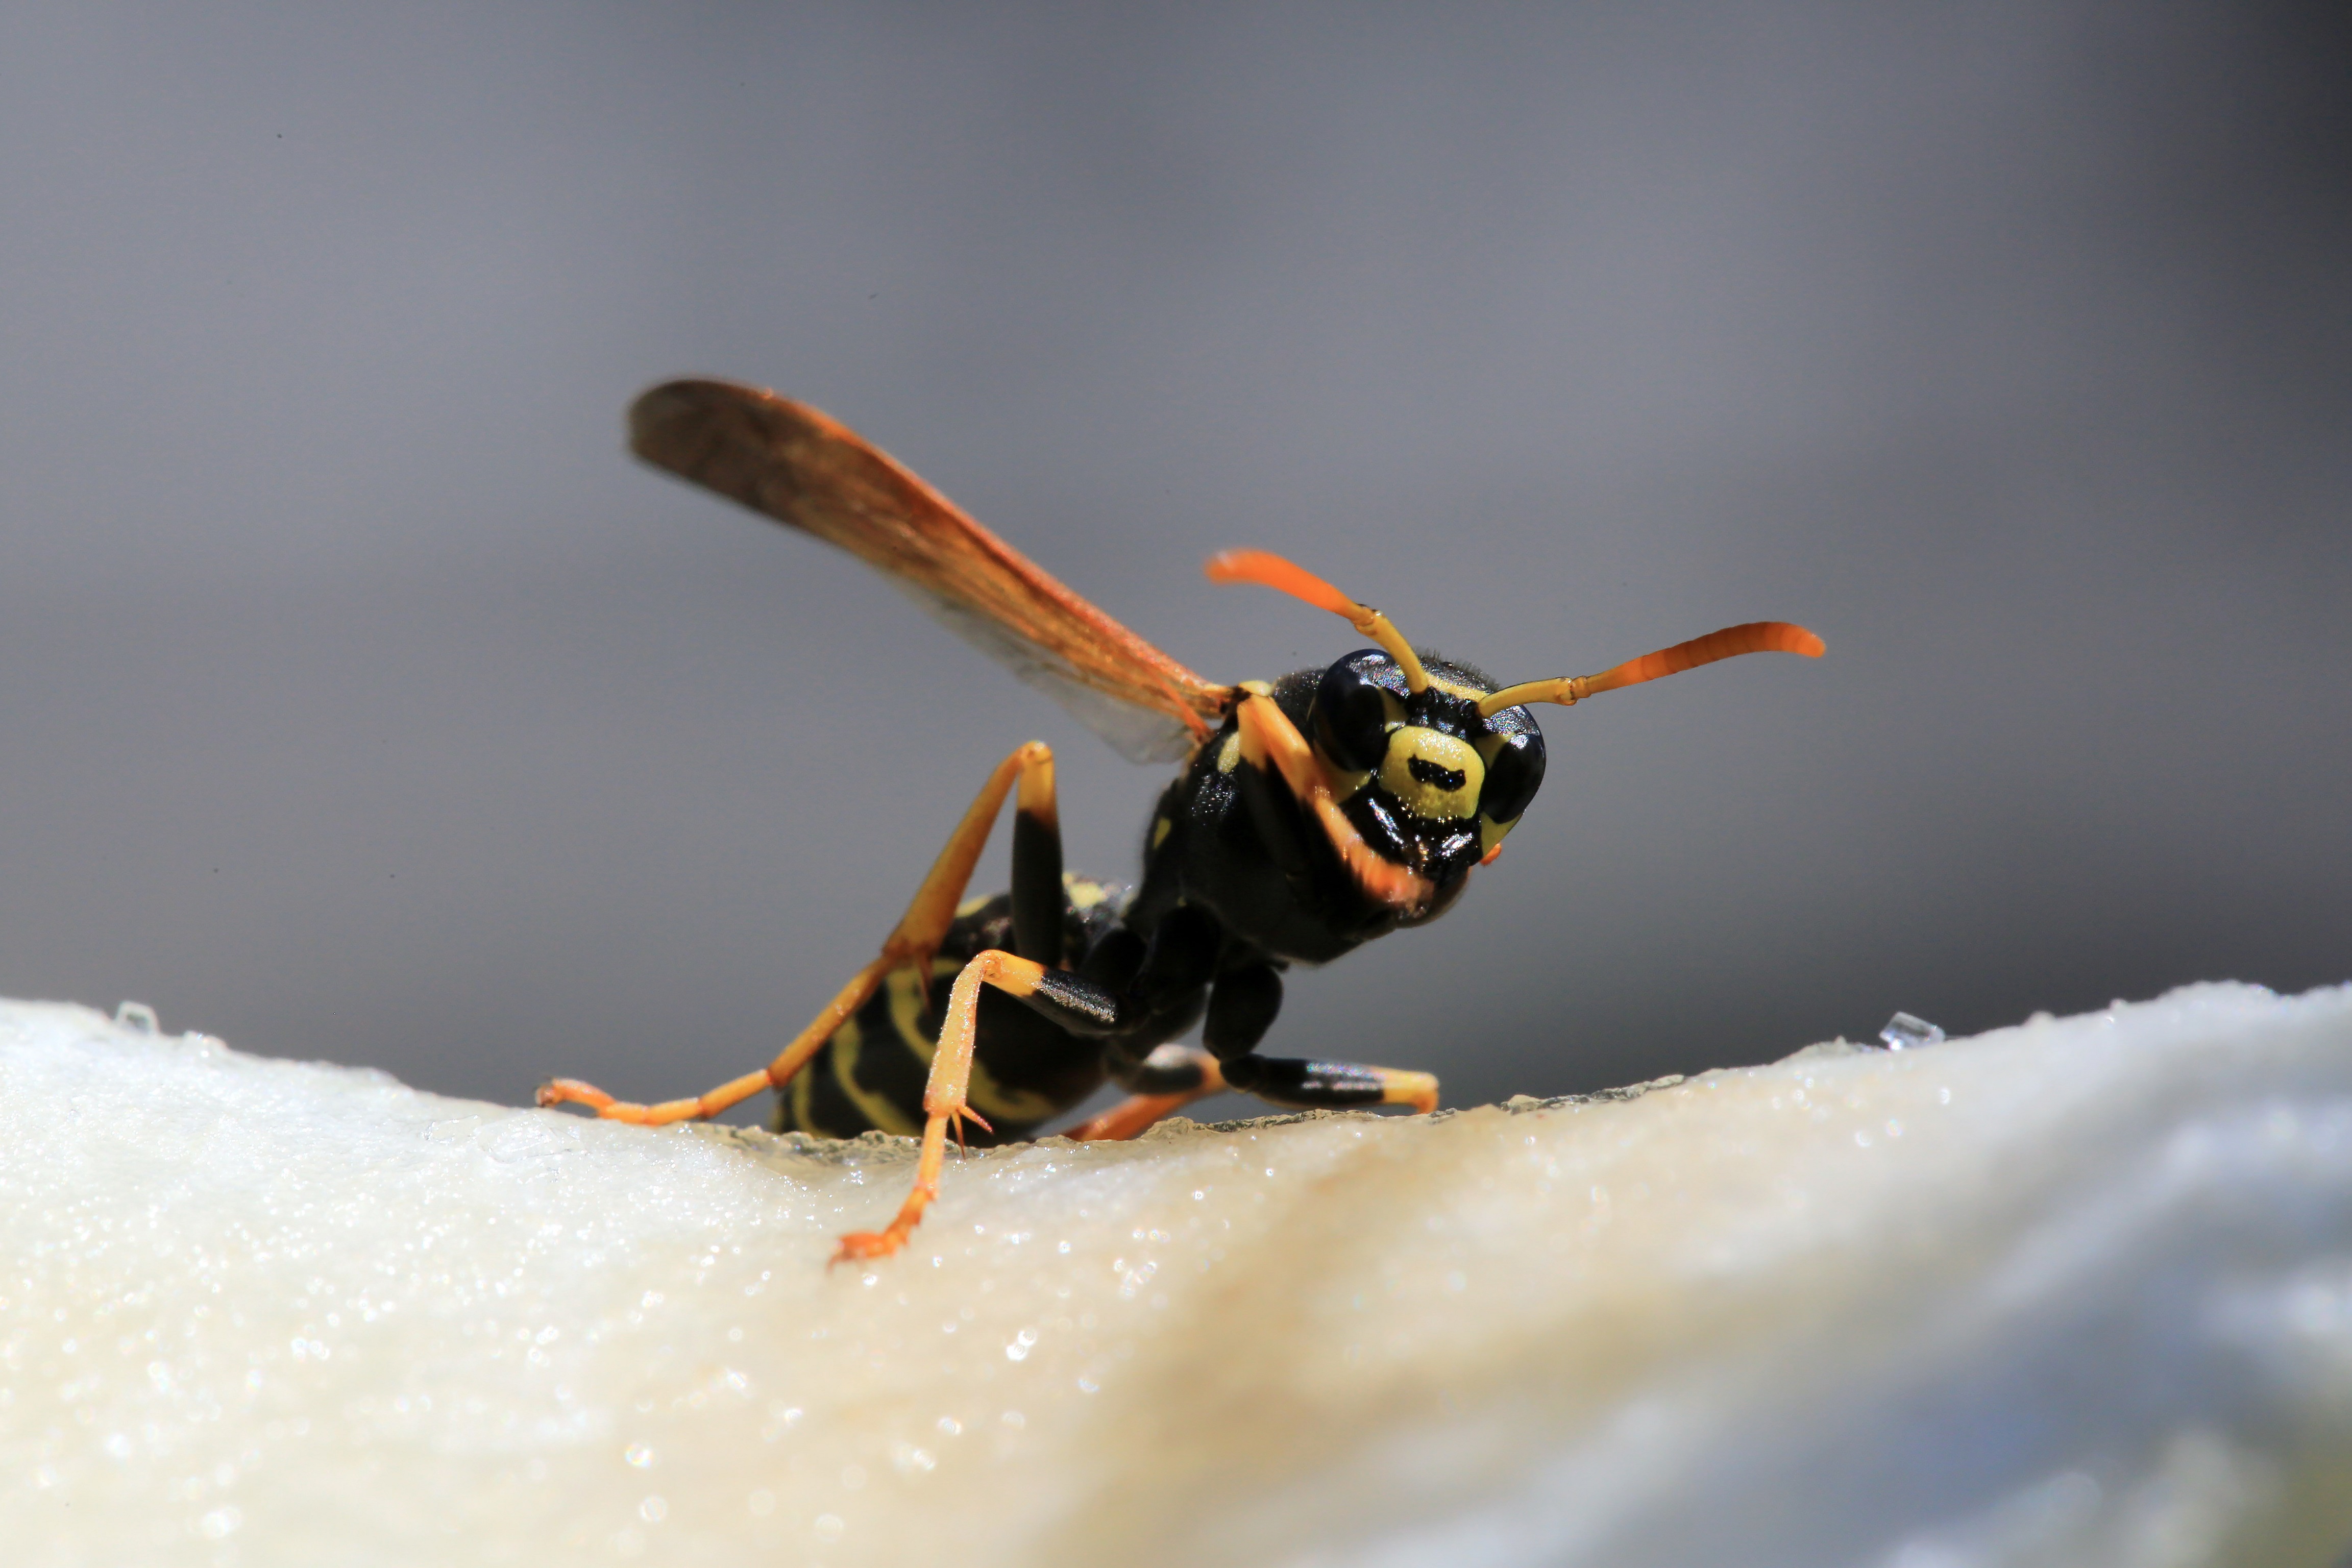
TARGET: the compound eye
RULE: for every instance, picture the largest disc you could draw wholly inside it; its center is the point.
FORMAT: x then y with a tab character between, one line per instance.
1351	718
1513	776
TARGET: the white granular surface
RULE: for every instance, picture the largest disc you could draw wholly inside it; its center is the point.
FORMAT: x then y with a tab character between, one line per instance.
2078	1292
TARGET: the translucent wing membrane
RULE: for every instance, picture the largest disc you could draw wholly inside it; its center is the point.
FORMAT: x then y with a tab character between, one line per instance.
799	466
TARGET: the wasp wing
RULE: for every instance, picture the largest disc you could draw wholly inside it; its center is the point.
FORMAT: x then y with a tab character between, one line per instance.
790	462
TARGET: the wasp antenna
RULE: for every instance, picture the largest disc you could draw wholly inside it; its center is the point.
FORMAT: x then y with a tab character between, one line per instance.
1269	570
1755	637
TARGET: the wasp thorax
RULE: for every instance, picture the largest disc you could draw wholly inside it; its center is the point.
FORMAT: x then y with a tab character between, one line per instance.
1434	775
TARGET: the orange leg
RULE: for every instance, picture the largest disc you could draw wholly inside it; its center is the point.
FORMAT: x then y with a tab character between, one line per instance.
1269	739
1135	1114
1132	1116
943	1092
1402	1085
918	936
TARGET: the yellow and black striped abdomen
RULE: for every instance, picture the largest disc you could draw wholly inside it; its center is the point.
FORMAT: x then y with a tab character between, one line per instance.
1025	1069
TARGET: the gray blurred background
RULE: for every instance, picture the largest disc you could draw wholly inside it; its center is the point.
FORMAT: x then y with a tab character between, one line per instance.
359	697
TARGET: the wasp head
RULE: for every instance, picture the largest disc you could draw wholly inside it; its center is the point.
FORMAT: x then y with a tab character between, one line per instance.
1431	782
1424	766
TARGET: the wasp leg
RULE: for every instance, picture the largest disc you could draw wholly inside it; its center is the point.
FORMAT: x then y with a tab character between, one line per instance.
1056	993
1326	1086
918	936
1241	1010
1244	1006
1039	899
1269	740
1165	1082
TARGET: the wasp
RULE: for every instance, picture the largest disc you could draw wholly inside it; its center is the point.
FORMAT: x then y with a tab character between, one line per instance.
1312	813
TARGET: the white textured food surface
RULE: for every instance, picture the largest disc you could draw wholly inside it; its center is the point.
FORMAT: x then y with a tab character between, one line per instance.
2078	1292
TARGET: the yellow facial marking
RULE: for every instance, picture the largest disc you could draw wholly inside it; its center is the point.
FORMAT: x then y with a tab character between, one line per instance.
1433	775
1160	832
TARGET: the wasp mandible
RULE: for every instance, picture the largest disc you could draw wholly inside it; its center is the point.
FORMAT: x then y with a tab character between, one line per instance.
1313	814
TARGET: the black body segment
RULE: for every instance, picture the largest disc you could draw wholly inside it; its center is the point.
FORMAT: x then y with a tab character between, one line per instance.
1037	895
1241	1009
1311	1085
1239	883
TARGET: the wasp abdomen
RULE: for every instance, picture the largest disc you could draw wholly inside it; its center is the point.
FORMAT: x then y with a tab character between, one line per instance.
1026	1070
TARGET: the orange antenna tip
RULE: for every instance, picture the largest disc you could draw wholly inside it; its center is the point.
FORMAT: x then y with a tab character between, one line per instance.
1269	570
1755	637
